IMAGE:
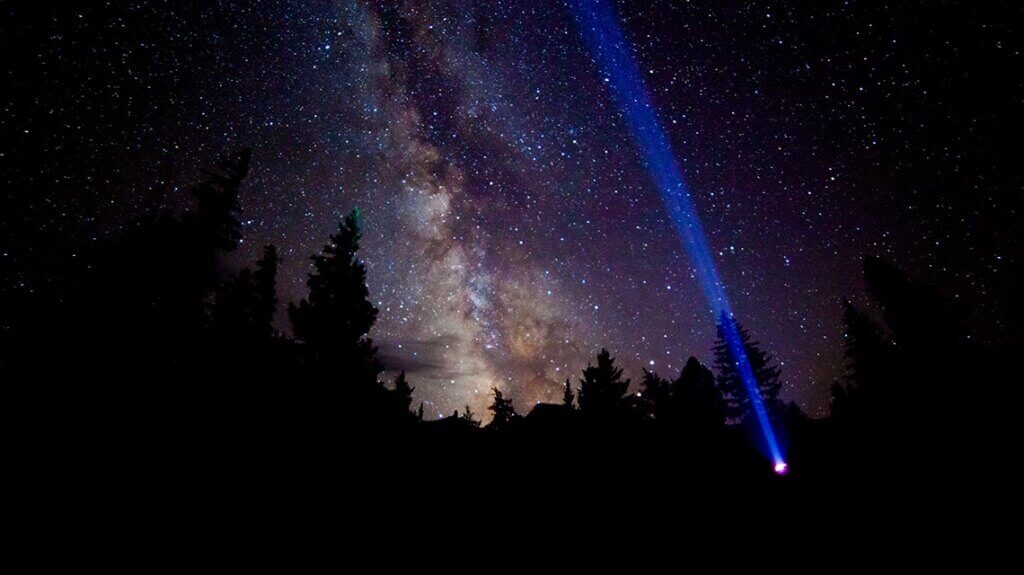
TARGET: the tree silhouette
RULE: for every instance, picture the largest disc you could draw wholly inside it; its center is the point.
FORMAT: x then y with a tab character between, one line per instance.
245	304
336	316
692	400
217	196
186	251
910	375
504	411
907	373
870	357
265	280
567	395
469	417
696	400
739	406
654	395
149	288
402	393
919	319
602	389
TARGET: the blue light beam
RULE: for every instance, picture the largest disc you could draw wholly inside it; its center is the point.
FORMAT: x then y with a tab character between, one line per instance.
604	37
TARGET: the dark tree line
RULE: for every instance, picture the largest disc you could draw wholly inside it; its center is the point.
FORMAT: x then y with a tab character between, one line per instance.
146	327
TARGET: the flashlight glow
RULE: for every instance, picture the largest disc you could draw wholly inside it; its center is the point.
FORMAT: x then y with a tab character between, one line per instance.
600	27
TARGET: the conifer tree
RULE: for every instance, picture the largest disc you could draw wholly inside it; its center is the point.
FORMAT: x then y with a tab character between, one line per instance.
244	306
504	411
336	316
402	392
870	358
739	406
469	417
602	389
654	395
567	395
695	397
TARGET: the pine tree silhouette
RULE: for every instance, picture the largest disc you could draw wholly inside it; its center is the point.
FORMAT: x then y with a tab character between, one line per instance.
336	316
908	377
602	389
655	396
739	407
402	393
907	372
265	306
188	250
692	400
469	417
919	319
870	357
149	288
696	400
567	395
504	411
217	215
245	304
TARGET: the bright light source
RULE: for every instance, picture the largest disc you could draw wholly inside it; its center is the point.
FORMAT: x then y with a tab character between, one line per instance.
781	468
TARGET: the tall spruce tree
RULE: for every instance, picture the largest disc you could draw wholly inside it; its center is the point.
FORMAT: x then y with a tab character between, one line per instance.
402	393
336	316
216	216
739	406
568	397
602	390
265	278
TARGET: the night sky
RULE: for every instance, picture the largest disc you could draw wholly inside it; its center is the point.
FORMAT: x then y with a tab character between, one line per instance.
511	229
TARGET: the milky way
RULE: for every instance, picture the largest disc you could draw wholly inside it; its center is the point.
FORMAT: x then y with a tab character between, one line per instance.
511	229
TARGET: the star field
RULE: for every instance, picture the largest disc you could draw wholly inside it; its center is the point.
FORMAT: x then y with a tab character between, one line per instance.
511	230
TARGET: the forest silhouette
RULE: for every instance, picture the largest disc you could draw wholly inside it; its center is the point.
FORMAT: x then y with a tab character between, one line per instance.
141	344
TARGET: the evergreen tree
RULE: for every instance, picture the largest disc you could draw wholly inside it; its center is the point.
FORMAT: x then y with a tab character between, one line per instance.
602	389
739	406
692	400
265	278
921	321
870	364
469	417
696	400
504	411
337	315
402	392
188	250
567	395
244	306
217	197
654	395
149	289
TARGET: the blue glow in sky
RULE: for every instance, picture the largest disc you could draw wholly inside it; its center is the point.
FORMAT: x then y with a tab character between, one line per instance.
604	37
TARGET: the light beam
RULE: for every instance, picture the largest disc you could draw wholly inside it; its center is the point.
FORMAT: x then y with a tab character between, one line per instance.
604	37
